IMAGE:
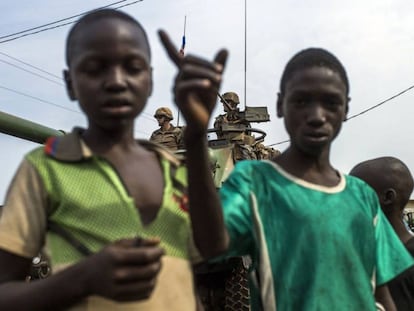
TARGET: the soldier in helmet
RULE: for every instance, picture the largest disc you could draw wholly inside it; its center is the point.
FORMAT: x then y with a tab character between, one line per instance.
232	126
232	99
230	102
167	135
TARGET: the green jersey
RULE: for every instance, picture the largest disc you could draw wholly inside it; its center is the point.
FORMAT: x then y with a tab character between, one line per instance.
315	247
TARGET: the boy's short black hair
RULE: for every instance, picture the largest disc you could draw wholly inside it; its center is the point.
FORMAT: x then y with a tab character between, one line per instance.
312	57
384	173
94	16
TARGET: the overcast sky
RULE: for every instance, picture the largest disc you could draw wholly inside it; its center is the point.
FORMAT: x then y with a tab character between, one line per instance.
373	39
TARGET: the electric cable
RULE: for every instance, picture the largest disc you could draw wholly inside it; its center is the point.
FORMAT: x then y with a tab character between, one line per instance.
37	98
30	65
381	103
31	72
363	111
55	22
53	104
61	25
48	102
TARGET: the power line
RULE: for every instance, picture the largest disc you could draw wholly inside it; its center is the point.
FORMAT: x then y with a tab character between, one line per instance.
149	117
55	22
37	98
144	114
35	32
53	104
46	101
61	25
128	4
31	72
381	103
364	111
30	65
279	143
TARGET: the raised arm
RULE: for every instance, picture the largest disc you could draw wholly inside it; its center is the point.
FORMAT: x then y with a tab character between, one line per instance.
195	91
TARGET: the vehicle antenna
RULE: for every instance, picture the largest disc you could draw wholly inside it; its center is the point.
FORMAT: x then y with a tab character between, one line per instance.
245	52
182	54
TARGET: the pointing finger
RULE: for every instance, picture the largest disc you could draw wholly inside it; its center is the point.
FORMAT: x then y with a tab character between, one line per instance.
169	47
221	58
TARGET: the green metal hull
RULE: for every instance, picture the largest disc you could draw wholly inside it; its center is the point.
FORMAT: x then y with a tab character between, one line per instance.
25	129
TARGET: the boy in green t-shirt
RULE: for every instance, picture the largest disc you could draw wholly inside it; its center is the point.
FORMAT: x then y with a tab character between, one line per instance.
318	238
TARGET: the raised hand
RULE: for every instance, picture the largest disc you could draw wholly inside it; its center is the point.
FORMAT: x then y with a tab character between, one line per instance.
125	270
196	86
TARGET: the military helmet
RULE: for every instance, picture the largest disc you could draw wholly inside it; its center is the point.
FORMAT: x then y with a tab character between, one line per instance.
231	96
163	112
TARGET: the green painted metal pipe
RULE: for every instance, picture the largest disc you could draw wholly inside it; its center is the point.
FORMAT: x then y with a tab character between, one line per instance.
25	129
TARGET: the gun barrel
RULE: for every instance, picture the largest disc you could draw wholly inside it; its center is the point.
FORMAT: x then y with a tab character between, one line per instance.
228	106
21	128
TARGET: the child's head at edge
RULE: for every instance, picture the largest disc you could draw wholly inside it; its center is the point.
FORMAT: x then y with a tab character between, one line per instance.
390	178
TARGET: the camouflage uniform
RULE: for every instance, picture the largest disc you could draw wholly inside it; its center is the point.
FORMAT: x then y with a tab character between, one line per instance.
266	153
231	119
171	138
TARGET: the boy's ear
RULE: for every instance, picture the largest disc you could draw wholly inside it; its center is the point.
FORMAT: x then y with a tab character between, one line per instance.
390	195
279	103
68	83
347	108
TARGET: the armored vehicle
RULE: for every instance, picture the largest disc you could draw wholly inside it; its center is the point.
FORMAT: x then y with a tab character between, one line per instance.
236	141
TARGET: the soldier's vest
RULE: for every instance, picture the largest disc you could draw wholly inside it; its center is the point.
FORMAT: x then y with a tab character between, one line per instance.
170	139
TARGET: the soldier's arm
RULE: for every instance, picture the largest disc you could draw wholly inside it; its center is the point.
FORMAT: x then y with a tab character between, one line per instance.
179	138
217	122
195	91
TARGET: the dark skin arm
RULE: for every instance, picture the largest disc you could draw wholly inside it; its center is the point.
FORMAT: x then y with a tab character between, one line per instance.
383	296
195	91
122	271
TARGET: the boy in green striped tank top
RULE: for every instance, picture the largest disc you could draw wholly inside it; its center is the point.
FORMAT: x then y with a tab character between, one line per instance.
111	211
